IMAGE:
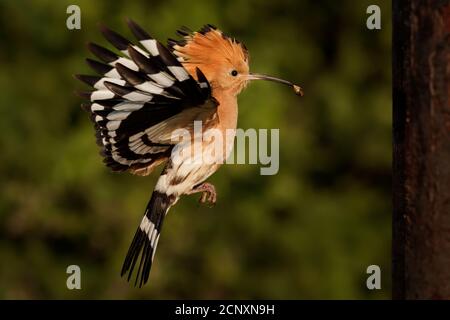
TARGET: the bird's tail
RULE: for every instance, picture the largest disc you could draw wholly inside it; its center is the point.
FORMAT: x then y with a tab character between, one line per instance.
146	238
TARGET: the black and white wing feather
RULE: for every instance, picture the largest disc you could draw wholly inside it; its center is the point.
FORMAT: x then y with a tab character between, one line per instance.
140	97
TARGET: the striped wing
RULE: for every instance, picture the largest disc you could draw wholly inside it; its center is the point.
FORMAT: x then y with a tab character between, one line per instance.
140	97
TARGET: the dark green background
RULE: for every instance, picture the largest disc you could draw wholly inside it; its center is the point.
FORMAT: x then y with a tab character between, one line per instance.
308	232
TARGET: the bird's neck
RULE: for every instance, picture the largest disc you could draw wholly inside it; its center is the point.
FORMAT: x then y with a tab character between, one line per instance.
227	111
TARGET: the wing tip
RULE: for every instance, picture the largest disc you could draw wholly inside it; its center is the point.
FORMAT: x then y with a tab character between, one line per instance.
98	66
102	53
83	94
89	80
137	30
114	38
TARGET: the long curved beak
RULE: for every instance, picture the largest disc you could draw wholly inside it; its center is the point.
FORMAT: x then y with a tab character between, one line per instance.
255	76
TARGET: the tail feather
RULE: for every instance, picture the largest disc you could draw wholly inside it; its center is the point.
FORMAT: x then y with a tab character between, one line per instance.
146	238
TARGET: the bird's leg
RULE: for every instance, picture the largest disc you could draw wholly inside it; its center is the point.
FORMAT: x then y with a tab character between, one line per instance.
208	192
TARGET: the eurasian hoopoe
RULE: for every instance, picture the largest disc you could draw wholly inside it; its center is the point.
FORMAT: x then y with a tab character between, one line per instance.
144	95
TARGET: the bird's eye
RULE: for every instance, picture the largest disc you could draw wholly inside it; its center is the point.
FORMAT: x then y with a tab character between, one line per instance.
234	73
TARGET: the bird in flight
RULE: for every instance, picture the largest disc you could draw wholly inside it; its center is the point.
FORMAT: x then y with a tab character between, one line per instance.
143	96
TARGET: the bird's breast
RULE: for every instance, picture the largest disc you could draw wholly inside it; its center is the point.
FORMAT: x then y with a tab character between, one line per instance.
192	162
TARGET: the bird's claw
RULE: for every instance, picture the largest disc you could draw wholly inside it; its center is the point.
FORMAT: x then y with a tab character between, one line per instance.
209	194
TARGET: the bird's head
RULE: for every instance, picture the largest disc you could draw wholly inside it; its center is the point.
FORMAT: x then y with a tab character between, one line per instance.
223	60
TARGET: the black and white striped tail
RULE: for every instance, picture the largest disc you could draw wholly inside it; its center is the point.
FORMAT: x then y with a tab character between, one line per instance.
146	238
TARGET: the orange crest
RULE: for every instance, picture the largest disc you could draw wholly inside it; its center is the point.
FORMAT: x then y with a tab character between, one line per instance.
211	51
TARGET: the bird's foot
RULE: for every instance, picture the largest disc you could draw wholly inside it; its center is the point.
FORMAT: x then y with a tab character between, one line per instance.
208	193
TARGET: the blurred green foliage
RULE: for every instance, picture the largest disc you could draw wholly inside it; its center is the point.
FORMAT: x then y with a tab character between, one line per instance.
308	232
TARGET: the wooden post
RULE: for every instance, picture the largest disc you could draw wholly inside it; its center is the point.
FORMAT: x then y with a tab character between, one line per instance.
421	116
